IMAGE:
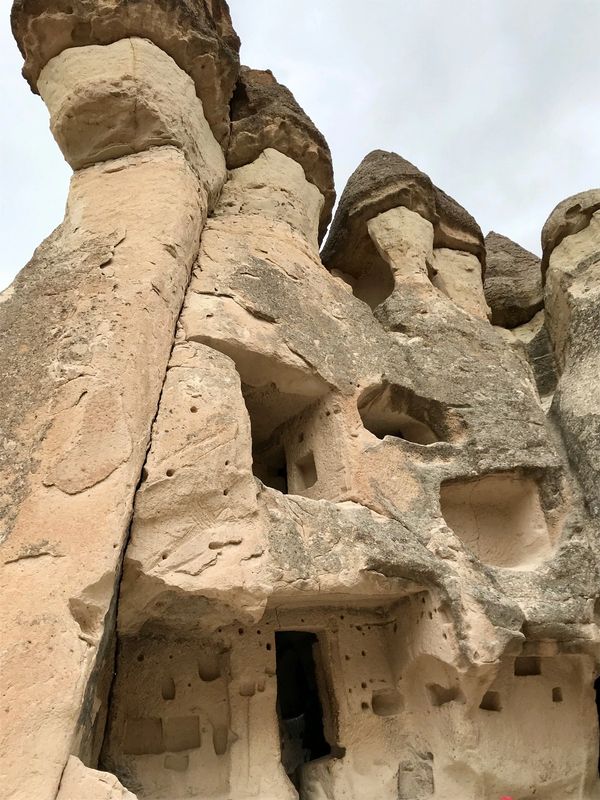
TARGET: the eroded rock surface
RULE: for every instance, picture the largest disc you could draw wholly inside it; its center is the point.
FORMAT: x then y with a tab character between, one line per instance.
197	34
569	217
279	526
156	105
264	114
384	181
513	281
573	308
86	329
80	782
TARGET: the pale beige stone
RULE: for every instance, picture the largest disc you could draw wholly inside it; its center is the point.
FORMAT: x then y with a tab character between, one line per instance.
267	537
265	115
122	98
405	241
458	275
102	381
573	320
271	207
500	518
323	482
570	216
533	340
81	783
571	277
383	181
275	187
198	35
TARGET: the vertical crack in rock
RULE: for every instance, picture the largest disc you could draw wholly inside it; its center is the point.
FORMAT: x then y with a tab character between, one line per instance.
108	647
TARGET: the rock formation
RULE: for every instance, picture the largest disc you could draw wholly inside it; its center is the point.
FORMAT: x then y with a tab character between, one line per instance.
277	524
513	282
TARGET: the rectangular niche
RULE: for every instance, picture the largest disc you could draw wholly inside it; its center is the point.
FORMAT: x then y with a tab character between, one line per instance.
526	666
168	728
304	453
499	517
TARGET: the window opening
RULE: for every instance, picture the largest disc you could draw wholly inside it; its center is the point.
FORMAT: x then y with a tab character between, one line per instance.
392	410
270	466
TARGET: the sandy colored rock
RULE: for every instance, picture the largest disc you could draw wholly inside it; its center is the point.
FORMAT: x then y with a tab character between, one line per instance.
368	504
570	216
197	34
79	782
513	281
83	392
532	337
86	329
155	105
458	275
572	298
264	114
275	530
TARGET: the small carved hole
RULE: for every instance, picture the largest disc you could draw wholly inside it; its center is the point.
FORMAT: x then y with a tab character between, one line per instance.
528	665
557	695
491	702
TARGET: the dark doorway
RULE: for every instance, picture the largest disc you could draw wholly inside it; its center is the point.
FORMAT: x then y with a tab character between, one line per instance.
299	705
270	466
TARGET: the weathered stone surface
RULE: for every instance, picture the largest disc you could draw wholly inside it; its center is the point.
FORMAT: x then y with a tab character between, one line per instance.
532	338
317	474
458	275
384	181
276	530
264	114
570	216
155	105
197	34
81	783
86	332
573	318
513	281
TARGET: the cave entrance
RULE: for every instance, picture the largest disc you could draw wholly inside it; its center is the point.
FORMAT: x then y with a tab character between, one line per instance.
303	709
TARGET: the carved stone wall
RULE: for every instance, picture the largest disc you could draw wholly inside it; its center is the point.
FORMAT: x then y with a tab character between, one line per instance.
279	523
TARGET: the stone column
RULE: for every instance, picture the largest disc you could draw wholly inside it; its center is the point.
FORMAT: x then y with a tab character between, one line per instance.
87	329
571	240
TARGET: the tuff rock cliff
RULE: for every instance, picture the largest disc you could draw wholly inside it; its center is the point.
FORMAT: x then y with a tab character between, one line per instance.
278	523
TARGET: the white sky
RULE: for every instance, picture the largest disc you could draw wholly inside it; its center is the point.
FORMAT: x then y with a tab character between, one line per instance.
498	101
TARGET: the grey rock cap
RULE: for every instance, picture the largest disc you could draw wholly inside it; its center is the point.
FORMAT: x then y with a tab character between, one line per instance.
513	281
385	180
197	34
264	114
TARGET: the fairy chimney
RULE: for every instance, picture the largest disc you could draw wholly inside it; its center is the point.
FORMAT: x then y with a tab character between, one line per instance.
278	523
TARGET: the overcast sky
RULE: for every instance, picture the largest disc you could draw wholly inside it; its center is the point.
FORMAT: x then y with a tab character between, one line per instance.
498	101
